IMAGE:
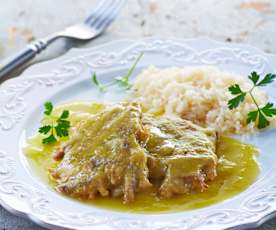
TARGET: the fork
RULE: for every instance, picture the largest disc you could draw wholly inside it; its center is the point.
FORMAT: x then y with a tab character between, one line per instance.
93	26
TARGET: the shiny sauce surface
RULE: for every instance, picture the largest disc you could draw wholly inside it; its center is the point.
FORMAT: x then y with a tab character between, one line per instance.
237	169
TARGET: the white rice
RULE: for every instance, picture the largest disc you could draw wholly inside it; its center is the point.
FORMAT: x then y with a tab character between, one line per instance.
199	94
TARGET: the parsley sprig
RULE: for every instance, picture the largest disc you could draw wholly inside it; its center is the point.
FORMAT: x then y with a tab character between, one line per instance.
53	127
122	81
261	114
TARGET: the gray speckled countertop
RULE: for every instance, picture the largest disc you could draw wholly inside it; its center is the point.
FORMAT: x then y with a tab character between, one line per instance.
243	21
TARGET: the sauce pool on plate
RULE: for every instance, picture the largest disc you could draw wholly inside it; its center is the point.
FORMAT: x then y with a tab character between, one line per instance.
237	169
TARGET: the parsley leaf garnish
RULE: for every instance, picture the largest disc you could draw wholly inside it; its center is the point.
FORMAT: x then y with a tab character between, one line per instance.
268	110
254	77
235	102
44	129
122	81
49	140
252	116
236	90
262	121
65	114
55	127
48	108
269	78
261	114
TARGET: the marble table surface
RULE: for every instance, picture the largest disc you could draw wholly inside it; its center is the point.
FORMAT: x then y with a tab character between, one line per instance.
242	21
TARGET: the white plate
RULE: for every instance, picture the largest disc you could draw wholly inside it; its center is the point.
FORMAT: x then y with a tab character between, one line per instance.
67	79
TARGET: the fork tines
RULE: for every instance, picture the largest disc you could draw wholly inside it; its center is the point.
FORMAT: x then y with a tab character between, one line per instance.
104	13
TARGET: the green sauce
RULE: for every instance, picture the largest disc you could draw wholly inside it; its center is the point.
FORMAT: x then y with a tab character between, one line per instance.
237	170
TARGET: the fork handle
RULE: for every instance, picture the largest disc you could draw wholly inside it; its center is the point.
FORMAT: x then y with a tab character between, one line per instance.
24	56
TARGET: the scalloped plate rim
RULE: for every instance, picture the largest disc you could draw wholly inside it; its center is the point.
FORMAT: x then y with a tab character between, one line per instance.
27	75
